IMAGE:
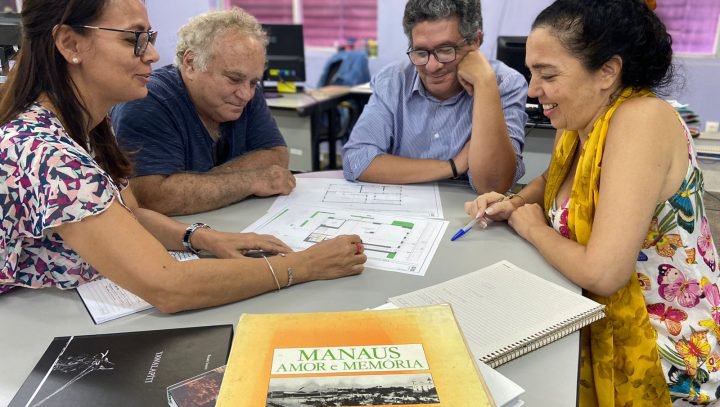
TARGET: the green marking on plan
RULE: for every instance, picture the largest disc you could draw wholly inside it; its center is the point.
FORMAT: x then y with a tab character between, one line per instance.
391	255
406	225
279	214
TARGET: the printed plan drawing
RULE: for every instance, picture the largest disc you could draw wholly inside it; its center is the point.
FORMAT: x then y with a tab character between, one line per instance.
363	194
394	243
421	201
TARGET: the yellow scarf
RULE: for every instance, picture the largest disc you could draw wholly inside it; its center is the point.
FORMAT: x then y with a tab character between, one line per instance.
620	365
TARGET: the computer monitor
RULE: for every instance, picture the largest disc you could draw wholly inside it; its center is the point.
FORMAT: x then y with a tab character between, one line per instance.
511	51
285	53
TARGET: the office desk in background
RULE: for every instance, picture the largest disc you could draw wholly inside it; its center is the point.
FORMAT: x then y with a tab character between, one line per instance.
300	119
31	318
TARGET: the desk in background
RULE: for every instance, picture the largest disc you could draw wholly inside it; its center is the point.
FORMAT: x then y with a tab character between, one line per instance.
707	146
300	119
31	318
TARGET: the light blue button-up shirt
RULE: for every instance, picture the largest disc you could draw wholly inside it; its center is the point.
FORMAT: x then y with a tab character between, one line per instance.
402	119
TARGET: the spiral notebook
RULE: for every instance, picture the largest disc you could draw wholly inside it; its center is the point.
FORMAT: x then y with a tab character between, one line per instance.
505	311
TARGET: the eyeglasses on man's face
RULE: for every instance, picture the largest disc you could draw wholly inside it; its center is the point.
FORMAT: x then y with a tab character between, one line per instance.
142	38
443	55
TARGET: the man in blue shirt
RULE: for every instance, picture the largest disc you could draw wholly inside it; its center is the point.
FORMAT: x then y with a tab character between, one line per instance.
204	137
445	112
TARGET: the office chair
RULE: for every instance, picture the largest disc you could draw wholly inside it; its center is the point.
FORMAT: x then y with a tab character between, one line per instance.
344	68
10	34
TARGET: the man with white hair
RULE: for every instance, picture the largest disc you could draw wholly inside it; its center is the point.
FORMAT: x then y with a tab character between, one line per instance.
204	137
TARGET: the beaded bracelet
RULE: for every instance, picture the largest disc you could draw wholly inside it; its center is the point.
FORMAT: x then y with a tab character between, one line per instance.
290	272
290	277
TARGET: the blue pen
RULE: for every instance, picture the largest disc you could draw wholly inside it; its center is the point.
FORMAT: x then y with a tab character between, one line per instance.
466	228
473	222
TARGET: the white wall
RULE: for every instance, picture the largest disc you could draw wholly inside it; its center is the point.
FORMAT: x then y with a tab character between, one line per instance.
166	17
514	17
701	89
500	17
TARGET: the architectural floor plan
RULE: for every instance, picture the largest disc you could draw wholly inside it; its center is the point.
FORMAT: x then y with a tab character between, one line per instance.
394	243
408	200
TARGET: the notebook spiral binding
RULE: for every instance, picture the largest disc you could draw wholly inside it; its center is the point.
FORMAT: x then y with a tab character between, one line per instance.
542	338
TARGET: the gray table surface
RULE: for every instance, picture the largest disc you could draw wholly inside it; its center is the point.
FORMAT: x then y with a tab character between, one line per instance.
29	319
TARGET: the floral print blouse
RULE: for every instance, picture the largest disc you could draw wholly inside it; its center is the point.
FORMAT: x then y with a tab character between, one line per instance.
46	180
677	269
558	215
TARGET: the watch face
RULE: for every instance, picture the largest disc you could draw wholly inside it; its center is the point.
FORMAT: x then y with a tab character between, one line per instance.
188	235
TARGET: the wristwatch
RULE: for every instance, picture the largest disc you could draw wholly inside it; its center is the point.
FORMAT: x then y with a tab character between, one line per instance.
188	235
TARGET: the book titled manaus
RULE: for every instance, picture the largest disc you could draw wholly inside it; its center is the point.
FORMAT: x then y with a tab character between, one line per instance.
122	369
409	357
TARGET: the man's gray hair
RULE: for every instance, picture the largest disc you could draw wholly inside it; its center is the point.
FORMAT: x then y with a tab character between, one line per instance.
200	32
468	12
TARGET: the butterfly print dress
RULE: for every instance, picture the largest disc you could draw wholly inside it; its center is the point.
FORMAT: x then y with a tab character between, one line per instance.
677	269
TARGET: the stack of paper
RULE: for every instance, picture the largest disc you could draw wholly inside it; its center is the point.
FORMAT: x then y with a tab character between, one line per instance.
691	119
504	391
708	145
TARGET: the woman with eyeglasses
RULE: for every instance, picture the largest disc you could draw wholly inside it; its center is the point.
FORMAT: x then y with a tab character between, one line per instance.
67	214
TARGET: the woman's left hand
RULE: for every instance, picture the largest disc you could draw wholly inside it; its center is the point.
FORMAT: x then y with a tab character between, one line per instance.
234	245
527	217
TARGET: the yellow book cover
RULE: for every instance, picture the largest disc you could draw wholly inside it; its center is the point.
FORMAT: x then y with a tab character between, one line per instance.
409	357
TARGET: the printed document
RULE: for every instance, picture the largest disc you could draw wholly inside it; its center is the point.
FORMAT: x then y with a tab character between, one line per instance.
394	243
106	300
422	201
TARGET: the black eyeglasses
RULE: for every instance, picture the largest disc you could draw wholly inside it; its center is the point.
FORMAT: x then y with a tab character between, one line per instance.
142	38
443	55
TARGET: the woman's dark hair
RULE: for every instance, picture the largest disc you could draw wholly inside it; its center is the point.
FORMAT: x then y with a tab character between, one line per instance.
596	30
40	68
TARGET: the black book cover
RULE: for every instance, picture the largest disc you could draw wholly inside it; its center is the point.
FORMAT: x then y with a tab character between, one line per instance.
122	369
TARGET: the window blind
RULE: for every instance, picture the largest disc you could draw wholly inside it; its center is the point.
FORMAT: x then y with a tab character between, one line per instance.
266	11
326	22
330	22
694	29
